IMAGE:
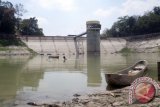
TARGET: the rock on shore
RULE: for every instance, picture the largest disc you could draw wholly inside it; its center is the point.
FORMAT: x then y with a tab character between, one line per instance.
116	98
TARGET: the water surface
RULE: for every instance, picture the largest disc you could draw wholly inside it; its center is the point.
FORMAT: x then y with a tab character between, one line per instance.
40	79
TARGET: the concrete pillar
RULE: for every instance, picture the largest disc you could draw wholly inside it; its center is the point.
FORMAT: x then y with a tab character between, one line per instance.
93	36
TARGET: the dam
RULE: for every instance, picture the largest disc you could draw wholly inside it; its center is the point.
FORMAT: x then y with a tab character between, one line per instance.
66	45
76	44
92	43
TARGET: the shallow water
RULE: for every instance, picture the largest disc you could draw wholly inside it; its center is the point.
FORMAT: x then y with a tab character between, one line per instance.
40	79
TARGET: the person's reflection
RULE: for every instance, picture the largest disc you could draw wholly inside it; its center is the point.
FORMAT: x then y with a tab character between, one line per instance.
93	70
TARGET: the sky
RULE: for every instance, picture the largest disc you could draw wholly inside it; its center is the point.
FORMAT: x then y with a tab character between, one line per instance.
68	17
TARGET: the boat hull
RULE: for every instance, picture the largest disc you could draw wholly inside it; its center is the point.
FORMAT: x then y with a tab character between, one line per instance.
123	79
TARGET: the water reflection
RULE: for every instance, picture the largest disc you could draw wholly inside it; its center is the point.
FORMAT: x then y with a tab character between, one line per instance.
37	77
93	70
30	79
14	78
130	59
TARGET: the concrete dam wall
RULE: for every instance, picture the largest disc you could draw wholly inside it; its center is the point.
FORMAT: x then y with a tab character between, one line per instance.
148	45
66	45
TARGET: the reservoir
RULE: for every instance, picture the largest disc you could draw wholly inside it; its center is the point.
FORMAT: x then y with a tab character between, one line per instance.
41	79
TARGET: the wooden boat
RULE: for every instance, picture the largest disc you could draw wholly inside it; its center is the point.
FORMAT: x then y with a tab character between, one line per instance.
127	76
56	57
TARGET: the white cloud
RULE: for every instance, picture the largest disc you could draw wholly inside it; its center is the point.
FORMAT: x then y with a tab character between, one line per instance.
53	17
104	13
133	7
129	7
64	5
42	21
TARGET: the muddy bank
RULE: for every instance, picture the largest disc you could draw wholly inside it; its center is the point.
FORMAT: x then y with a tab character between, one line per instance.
15	50
116	98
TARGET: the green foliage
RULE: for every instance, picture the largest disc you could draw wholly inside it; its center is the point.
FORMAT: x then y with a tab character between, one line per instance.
157	10
30	27
7	18
19	13
16	42
4	49
125	50
31	51
19	10
136	25
11	23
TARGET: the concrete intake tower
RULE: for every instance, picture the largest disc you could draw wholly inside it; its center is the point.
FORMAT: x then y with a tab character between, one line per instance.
93	37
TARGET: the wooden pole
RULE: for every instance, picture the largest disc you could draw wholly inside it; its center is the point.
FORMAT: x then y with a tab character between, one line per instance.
158	68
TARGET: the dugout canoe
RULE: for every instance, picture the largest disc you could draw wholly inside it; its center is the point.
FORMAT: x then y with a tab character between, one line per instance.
127	76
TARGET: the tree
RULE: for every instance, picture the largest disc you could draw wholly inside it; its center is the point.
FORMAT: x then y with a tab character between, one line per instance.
136	25
19	11
156	10
7	18
30	27
105	32
11	21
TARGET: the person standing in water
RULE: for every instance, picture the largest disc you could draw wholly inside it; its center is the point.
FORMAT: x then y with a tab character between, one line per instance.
64	58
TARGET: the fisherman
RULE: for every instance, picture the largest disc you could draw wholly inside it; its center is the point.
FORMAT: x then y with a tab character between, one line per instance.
64	57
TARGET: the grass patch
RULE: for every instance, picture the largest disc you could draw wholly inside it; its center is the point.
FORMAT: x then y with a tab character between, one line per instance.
125	50
4	45
4	49
31	51
15	42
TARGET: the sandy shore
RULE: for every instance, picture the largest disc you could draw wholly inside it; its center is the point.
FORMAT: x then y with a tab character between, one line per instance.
116	98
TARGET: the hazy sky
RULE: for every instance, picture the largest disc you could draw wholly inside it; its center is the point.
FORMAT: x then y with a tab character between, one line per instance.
63	17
